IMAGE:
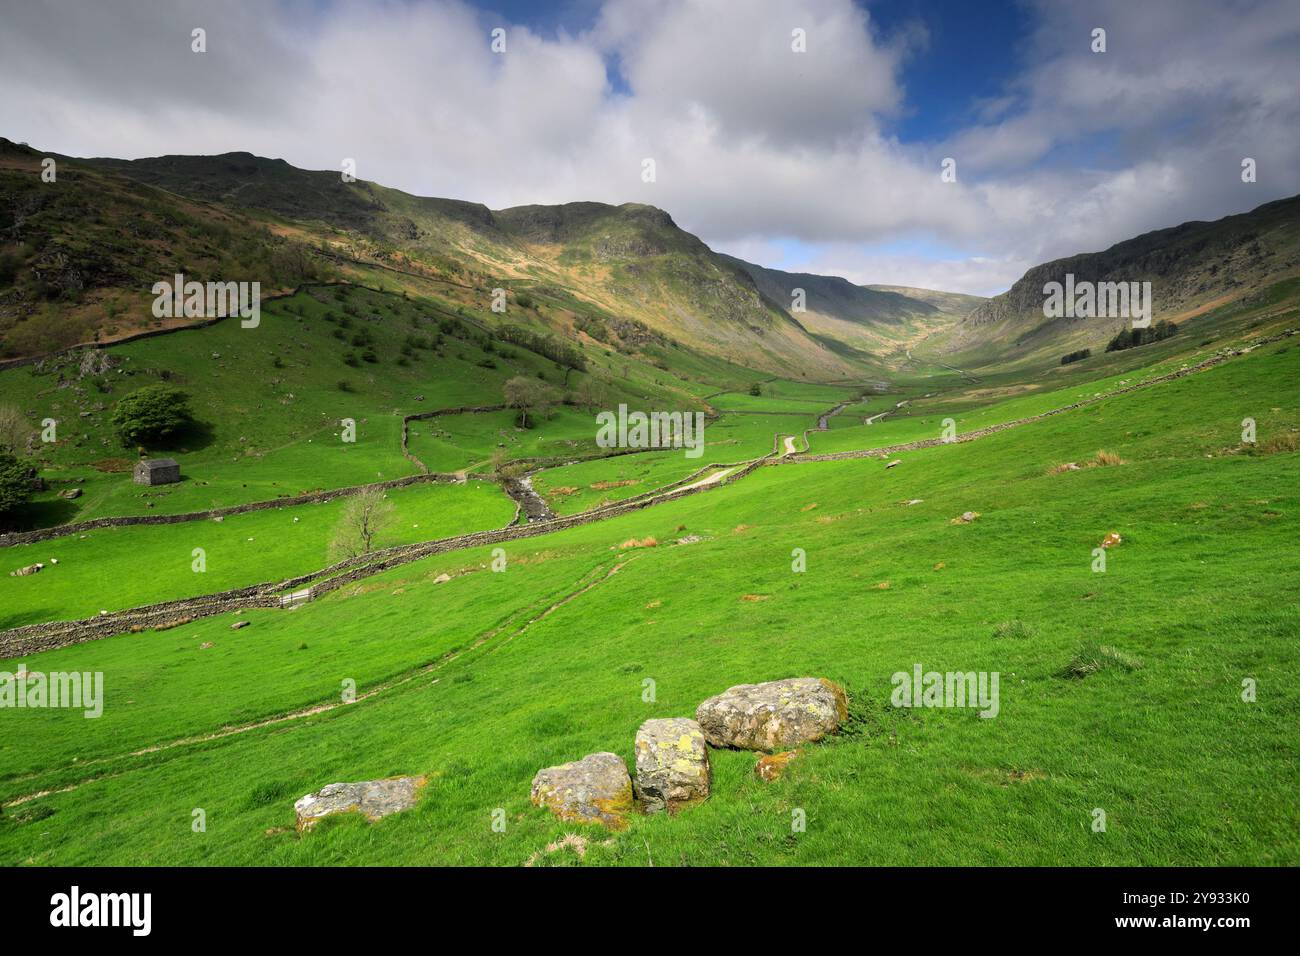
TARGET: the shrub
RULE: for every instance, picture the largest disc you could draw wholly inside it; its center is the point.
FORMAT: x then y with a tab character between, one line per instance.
1130	338
151	414
1104	458
1076	356
1285	442
1014	629
17	482
1093	658
545	345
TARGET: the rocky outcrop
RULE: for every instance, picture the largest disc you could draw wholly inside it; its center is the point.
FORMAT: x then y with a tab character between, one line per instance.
595	789
374	798
532	506
774	715
672	764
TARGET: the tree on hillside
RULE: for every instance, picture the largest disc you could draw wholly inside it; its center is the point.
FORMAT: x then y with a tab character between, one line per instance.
366	517
531	397
591	395
17	482
14	429
151	414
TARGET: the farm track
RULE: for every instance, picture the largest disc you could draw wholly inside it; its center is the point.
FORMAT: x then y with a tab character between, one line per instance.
24	640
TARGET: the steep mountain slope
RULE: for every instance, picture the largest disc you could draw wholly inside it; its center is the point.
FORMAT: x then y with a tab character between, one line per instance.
1191	268
953	303
78	256
633	261
881	320
593	265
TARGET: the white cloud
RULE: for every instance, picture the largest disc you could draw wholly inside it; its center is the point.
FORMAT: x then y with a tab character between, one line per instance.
754	144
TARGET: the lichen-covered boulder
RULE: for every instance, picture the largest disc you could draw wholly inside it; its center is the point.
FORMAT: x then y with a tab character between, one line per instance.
773	716
374	798
672	764
595	789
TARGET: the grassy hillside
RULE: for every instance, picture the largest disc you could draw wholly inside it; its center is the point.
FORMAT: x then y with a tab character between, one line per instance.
625	276
1158	737
1121	684
1192	268
79	256
881	321
270	401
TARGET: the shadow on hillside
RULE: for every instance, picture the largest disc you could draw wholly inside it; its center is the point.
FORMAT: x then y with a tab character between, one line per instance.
41	514
30	615
193	437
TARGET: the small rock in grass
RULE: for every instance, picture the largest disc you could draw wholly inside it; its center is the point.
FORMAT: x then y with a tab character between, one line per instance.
595	789
672	764
374	798
966	517
238	624
773	715
894	464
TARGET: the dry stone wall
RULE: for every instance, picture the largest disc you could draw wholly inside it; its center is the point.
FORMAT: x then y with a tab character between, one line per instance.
32	638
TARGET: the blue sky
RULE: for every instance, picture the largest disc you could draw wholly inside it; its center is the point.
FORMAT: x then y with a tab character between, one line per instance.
970	51
822	160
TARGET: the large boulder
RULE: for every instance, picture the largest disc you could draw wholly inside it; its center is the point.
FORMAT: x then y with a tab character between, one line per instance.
672	764
595	789
374	798
773	716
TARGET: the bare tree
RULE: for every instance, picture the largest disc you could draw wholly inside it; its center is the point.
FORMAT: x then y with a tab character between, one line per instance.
366	517
591	395
529	395
14	430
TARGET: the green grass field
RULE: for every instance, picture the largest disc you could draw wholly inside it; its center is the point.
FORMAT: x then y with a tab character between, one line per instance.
153	563
482	679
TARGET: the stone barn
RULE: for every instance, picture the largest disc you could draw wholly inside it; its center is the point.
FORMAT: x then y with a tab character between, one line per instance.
157	471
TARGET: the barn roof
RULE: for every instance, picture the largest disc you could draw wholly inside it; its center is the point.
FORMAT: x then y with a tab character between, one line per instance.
152	463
